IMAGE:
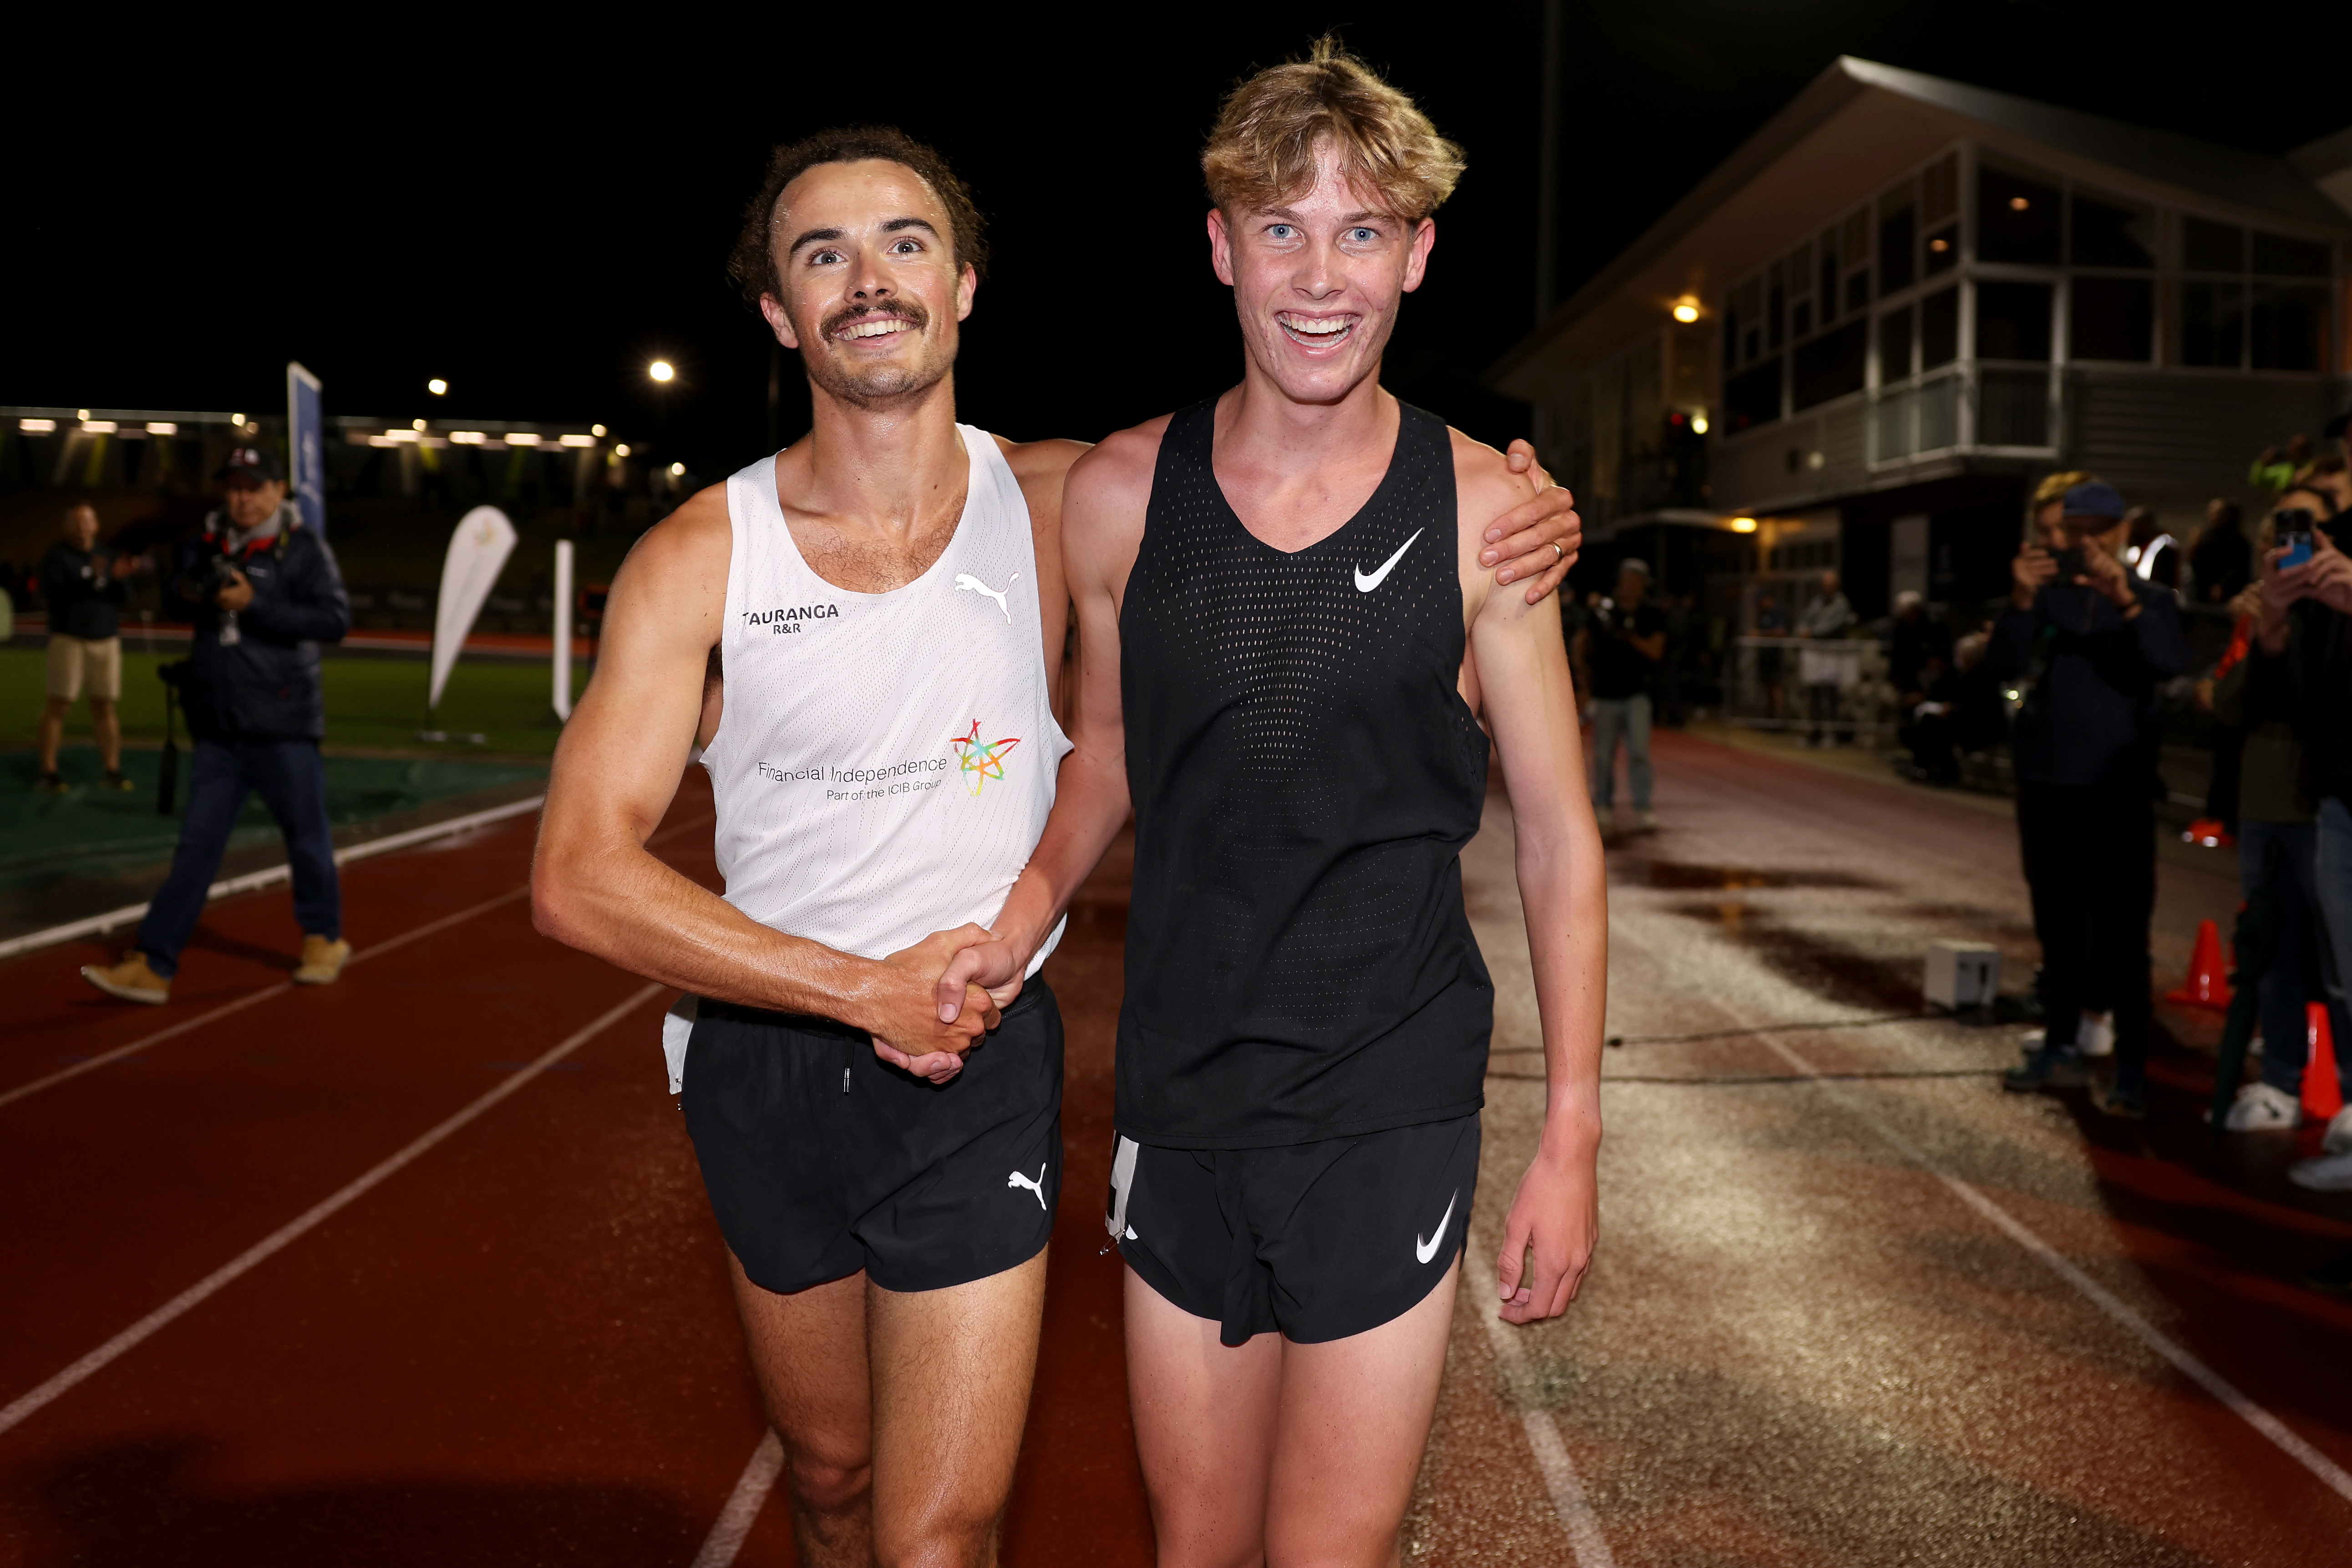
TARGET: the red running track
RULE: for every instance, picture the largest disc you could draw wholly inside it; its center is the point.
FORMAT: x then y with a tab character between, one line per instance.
519	1346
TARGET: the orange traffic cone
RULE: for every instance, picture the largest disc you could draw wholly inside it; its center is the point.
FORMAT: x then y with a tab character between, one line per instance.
2208	982
2322	1096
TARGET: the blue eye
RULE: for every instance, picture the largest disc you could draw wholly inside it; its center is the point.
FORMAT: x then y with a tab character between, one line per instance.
1362	236
1279	231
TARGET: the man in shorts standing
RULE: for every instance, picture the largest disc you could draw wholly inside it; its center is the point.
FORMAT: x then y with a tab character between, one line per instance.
1285	647
83	584
863	634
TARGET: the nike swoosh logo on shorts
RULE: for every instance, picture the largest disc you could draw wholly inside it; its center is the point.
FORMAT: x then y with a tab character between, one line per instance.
1425	1250
1365	584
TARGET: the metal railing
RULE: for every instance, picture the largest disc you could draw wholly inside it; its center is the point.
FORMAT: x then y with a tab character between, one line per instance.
1821	685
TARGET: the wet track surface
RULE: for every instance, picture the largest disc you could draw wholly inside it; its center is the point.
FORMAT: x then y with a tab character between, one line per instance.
1852	1304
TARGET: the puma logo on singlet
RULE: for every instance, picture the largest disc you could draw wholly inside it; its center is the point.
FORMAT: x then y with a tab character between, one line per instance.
967	582
1016	1179
1365	583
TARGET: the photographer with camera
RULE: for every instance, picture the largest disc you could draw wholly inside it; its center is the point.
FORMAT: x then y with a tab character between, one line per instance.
2089	644
264	593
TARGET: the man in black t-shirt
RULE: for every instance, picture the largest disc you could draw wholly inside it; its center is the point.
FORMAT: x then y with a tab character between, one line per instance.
1619	650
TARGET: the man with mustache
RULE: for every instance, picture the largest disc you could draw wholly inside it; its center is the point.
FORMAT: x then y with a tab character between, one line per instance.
863	634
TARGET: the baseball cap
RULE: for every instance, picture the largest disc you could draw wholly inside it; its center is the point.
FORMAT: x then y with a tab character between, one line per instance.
255	465
2096	499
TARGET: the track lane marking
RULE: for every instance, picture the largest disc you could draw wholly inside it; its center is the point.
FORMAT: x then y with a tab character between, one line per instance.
121	1344
2330	1474
1577	1521
743	1505
25	1090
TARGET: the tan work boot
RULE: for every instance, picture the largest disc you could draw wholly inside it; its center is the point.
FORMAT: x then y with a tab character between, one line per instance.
322	960
129	981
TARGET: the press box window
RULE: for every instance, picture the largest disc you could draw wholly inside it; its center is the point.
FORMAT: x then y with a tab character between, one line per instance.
2111	319
2110	234
2014	320
1753	396
1939	328
2017	218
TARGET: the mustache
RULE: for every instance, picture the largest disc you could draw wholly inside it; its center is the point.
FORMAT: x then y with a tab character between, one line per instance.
910	311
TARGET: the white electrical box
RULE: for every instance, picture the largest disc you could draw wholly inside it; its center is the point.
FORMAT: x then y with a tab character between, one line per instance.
1962	974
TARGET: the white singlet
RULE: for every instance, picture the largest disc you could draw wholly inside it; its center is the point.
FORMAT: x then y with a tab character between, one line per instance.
885	763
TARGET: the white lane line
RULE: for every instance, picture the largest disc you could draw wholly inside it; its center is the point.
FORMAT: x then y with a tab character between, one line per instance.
278	1241
2330	1473
25	1090
743	1505
1568	1500
111	919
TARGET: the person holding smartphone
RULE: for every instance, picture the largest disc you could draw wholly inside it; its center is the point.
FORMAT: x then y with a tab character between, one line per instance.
2088	642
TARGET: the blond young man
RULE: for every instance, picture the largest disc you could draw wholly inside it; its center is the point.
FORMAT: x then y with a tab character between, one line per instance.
862	633
1286	646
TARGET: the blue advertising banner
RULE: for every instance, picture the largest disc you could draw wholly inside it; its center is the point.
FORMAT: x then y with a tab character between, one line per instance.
306	446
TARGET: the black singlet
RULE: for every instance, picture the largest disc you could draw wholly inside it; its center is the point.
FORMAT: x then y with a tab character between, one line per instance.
1304	773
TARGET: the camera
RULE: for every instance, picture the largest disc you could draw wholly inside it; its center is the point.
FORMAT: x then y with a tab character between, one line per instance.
2292	527
2071	565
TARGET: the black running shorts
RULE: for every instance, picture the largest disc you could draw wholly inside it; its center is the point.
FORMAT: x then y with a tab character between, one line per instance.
821	1159
1317	1240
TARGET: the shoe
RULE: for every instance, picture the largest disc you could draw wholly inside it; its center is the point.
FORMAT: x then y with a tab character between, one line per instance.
129	981
2049	1067
2264	1108
2339	1134
322	960
1606	816
2333	1276
1649	821
50	784
2125	1101
2096	1036
116	784
2328	1173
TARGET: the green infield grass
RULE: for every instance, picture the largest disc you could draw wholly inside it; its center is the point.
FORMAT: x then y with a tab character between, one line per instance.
372	704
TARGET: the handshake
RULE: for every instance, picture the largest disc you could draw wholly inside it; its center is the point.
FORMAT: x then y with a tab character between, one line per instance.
932	1001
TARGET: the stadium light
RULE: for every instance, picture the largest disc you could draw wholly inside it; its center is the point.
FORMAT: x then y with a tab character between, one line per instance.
1743	525
81	413
1686	312
418	424
677	470
98	426
1698	423
662	369
597	431
466	437
37	426
437	387
521	438
161	427
579	440
622	450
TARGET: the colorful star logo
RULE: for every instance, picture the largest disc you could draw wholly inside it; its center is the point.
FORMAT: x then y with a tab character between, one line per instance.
982	760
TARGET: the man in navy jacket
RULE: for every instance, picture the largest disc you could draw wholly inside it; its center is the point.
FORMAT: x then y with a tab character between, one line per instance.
264	593
2089	644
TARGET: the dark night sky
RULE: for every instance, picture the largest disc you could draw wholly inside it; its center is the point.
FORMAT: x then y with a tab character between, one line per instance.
535	216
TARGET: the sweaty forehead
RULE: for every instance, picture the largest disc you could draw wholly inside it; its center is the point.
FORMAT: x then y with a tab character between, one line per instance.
854	195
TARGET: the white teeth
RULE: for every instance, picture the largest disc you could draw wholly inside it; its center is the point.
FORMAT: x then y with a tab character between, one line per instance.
1316	326
876	329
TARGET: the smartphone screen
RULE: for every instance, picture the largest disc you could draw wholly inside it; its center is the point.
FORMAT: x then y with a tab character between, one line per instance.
2298	547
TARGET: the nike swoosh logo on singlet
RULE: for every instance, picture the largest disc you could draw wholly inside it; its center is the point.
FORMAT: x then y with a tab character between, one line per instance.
1425	1250
1365	584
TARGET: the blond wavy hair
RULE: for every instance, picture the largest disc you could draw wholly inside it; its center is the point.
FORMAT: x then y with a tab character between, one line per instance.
1272	128
2055	486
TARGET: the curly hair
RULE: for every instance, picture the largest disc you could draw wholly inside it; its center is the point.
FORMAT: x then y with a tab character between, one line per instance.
1272	128
752	267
